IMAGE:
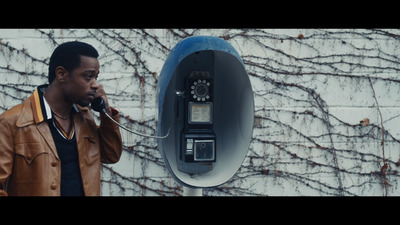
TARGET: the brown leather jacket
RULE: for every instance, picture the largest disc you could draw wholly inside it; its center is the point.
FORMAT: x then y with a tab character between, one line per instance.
29	163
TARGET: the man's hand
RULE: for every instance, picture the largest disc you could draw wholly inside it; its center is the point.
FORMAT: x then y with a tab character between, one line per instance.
100	93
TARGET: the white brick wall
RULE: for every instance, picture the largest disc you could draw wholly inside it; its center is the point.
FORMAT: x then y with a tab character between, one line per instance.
312	88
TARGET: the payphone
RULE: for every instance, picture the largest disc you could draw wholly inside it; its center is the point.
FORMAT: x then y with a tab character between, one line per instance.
195	113
205	97
198	138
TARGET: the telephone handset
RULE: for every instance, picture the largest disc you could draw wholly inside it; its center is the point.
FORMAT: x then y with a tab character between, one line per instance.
99	105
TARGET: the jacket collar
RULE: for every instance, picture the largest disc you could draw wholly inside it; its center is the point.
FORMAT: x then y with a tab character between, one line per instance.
36	109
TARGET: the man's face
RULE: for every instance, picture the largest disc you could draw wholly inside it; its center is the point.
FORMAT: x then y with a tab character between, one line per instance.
82	83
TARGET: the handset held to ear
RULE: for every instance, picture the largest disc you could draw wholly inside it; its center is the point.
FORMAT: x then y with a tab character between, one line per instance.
98	105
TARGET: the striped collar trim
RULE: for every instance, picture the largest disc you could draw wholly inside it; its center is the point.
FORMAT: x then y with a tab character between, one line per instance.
41	109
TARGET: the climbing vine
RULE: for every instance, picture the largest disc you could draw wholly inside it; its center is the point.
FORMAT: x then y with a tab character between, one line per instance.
326	105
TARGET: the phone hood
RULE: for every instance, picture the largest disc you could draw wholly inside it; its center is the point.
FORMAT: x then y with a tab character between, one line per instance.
233	107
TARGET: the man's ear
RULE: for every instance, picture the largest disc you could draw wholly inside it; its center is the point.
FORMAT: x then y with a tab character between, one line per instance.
61	74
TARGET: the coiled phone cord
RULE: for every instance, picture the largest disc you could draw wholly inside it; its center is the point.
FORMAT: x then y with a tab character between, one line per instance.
98	105
137	133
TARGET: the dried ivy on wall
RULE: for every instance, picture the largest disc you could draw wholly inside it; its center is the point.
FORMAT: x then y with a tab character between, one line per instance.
326	105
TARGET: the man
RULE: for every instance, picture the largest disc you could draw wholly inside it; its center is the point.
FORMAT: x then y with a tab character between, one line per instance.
50	144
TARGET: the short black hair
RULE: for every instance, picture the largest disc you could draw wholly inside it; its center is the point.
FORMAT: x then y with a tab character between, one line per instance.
68	55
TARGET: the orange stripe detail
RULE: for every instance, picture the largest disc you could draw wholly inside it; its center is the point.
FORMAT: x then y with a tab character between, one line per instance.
37	110
68	136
